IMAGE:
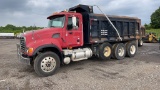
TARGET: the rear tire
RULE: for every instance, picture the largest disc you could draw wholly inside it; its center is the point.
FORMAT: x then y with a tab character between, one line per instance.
119	51
131	48
140	42
105	51
45	64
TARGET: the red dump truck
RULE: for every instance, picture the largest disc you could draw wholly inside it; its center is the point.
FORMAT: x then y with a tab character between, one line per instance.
78	34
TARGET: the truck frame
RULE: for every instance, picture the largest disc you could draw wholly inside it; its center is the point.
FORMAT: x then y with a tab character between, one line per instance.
78	34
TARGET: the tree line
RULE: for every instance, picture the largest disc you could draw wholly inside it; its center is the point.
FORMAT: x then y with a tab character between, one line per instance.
155	20
9	28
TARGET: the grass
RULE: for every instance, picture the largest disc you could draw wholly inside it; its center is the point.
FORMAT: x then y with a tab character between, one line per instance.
157	31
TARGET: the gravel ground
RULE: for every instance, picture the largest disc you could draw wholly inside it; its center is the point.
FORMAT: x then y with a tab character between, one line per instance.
141	72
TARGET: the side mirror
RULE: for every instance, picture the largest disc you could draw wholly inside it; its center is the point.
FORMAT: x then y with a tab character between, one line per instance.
74	20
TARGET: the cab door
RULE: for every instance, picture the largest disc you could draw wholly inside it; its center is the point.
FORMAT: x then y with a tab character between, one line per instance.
74	34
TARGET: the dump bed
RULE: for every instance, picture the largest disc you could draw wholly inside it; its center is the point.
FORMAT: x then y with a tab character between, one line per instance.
96	27
101	29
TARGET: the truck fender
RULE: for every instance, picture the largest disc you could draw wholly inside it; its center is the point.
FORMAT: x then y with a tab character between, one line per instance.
49	46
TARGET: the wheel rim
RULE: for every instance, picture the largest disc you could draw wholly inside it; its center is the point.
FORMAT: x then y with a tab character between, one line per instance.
107	51
133	49
48	64
121	51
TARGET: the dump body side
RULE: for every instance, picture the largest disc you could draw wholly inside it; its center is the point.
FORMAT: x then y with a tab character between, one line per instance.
101	30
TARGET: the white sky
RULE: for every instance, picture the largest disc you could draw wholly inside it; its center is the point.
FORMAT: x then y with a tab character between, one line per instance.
35	12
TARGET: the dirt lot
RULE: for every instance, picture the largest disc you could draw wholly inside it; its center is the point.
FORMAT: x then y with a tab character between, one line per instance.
141	72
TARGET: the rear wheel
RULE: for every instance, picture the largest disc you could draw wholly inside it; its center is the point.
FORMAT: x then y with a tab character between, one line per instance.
140	42
105	51
46	64
131	49
119	51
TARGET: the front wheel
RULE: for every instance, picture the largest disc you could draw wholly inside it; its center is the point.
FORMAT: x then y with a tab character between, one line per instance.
46	63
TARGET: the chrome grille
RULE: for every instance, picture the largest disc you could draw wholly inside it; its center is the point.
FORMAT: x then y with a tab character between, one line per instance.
22	44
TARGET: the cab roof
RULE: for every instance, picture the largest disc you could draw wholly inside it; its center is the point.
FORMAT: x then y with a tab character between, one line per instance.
63	13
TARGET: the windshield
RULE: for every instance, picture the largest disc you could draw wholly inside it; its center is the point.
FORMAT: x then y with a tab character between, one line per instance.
56	21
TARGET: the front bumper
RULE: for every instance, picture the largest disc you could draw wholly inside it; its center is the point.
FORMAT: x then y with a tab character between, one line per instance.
22	59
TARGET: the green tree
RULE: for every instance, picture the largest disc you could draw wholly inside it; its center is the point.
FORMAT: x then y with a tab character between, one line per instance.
155	19
10	27
147	26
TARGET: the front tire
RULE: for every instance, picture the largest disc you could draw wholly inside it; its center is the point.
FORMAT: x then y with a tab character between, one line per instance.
45	64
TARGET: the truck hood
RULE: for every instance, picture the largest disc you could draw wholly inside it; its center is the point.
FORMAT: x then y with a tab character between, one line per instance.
41	34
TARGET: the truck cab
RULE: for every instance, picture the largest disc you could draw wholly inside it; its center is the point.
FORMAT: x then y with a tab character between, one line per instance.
71	28
64	31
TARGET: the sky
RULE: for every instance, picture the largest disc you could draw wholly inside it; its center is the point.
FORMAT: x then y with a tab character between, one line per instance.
35	12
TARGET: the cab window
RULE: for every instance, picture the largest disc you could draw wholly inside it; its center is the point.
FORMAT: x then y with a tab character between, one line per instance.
70	25
57	21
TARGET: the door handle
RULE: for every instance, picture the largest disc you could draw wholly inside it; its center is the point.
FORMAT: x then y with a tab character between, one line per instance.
78	40
70	32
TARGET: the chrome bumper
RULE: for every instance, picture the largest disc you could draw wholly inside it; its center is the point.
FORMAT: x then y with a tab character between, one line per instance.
20	57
